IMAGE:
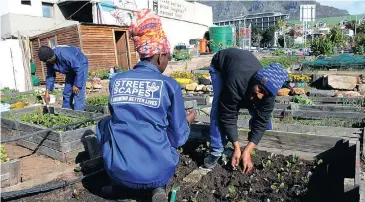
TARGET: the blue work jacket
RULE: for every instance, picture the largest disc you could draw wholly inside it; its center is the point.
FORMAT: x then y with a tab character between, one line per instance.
147	124
69	60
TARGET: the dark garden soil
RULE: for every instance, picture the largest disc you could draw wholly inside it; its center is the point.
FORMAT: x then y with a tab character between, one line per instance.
274	178
282	179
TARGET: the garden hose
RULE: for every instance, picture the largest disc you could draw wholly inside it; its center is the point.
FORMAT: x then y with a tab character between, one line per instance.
12	139
45	188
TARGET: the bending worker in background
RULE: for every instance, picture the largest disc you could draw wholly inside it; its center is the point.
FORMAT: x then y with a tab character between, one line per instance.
71	61
239	81
148	119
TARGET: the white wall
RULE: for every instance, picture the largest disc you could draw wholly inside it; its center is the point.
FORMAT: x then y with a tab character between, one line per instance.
11	61
27	25
181	32
15	6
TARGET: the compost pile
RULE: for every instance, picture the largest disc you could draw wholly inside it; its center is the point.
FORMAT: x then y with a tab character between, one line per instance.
274	178
49	120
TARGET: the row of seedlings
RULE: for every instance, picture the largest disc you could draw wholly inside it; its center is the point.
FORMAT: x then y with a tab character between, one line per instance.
64	144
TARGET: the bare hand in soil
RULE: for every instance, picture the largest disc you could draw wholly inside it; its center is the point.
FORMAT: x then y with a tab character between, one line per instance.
191	114
46	97
236	158
246	162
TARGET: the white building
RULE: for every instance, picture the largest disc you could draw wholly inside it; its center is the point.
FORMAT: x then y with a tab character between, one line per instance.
181	20
30	17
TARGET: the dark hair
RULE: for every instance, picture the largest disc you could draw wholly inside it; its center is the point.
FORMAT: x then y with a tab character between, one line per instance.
149	59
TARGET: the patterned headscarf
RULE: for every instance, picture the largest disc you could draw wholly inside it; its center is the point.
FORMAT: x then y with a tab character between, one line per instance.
148	35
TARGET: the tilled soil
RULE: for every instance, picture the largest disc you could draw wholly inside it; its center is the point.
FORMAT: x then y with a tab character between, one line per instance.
262	184
90	188
283	179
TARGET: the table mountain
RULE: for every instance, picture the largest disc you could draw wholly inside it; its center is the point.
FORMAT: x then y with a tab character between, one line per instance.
223	10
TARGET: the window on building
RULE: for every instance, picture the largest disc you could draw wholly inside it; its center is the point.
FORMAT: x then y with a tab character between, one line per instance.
26	2
52	42
47	9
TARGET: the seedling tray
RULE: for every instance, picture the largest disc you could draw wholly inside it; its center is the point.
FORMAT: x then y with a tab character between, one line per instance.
63	146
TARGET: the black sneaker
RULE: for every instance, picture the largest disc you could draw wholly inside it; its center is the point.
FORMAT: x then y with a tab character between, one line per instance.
159	195
211	161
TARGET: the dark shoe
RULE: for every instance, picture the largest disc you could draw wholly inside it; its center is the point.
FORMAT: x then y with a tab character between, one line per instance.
211	161
159	195
107	191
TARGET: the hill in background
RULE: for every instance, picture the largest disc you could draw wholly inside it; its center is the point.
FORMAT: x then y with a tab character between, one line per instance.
223	10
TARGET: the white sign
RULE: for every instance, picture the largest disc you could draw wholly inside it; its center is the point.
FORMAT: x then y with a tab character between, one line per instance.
177	9
137	91
307	13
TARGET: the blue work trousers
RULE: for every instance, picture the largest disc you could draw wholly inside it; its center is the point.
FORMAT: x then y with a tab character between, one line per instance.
71	100
218	141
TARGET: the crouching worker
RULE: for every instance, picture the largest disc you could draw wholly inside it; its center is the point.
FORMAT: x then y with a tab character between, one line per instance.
239	81
148	120
71	61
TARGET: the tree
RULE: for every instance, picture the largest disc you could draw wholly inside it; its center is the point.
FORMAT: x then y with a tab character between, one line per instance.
282	26
256	35
322	46
268	36
291	33
351	25
289	41
335	36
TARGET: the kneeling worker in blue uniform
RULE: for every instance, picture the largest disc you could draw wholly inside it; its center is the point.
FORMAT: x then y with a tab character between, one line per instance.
71	61
148	120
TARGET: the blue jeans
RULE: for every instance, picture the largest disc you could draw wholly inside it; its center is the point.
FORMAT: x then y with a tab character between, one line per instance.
219	141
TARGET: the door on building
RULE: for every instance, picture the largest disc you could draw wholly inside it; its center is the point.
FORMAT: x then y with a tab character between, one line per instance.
121	46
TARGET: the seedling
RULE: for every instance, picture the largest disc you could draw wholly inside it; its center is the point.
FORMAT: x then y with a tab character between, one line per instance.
319	162
279	177
295	159
267	164
253	153
271	156
276	188
180	150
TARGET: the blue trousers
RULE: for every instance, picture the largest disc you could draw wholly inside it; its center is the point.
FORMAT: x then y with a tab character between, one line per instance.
218	141
71	100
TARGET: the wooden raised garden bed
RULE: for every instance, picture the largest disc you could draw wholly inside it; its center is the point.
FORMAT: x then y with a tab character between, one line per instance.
10	173
328	169
336	178
63	145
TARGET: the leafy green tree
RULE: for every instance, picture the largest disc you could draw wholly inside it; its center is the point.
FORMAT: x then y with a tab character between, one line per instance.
268	36
336	37
322	46
289	41
256	35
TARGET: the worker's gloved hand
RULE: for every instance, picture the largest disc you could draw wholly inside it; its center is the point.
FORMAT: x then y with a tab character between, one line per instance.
190	116
75	90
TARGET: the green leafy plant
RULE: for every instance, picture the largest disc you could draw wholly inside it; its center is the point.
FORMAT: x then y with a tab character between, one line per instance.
101	100
4	156
50	120
267	164
277	187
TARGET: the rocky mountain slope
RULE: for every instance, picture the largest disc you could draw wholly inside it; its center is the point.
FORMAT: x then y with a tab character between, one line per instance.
223	10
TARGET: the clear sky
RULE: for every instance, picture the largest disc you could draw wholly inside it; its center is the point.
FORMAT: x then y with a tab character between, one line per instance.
354	7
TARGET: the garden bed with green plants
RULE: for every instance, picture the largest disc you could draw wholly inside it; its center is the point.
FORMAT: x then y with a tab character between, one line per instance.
63	144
